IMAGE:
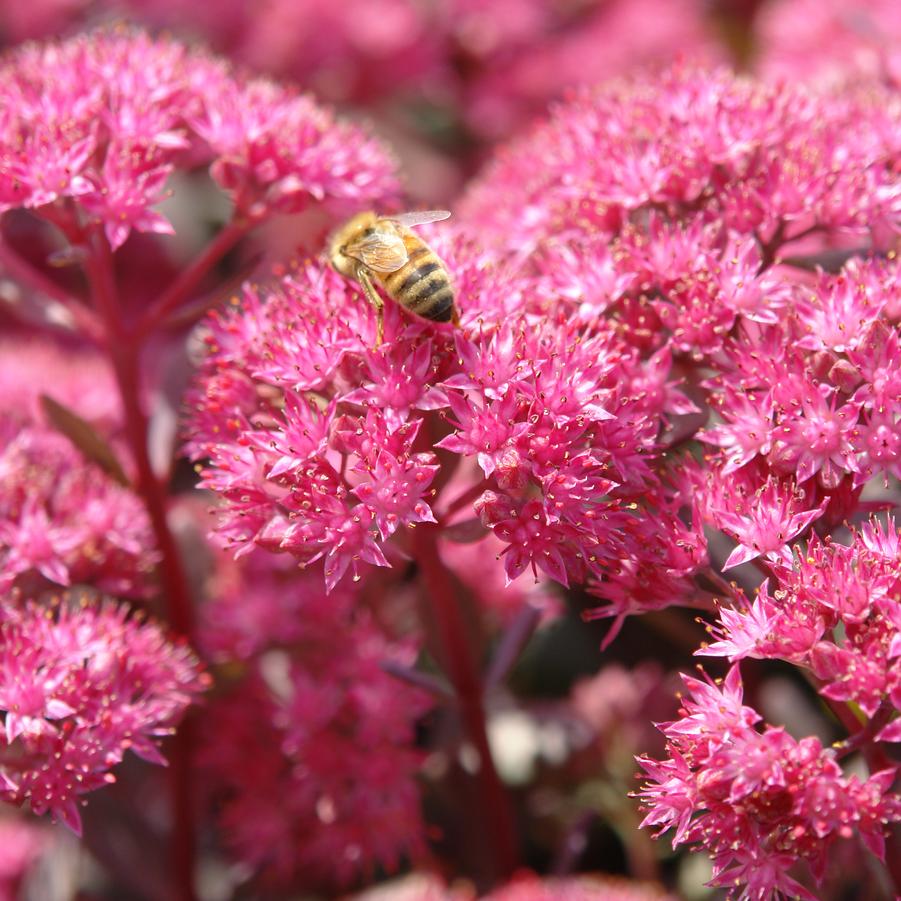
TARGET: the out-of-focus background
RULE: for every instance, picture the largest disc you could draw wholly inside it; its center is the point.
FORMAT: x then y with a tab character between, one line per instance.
445	80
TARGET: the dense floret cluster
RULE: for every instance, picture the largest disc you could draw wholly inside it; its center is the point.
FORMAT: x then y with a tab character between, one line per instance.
81	684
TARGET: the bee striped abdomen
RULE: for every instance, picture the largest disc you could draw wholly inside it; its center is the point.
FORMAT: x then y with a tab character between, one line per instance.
422	286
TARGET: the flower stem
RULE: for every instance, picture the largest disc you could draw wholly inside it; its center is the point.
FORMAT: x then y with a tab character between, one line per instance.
83	319
124	353
467	497
496	815
190	277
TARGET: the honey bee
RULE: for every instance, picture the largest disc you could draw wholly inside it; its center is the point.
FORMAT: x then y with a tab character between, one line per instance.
383	248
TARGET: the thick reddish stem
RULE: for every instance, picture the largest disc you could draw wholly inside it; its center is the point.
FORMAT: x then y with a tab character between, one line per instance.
190	278
124	353
496	815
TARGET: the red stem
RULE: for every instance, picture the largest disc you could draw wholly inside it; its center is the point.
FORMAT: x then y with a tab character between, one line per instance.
190	278
496	816
124	352
467	497
26	274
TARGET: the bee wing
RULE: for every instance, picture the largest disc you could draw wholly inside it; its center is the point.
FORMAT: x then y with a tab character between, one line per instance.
422	217
382	252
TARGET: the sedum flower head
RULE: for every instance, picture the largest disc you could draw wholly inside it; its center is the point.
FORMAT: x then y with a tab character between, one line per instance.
687	212
81	683
324	446
62	519
758	801
103	119
833	609
695	160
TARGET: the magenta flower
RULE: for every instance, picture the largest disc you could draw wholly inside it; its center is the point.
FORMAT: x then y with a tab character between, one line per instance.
778	161
758	801
104	118
665	556
762	520
833	610
311	758
79	686
64	521
560	420
677	345
815	434
746	430
837	314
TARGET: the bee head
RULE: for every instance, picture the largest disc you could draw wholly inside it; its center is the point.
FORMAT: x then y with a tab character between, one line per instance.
342	236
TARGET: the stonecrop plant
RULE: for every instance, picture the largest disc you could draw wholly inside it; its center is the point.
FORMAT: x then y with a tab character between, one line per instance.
329	566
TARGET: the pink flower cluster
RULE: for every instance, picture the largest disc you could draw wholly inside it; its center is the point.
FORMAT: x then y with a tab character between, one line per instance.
102	120
741	235
62	519
677	356
309	755
491	65
81	684
93	128
702	177
834	610
322	445
758	802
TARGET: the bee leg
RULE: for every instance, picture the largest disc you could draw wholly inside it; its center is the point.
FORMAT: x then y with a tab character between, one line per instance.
373	297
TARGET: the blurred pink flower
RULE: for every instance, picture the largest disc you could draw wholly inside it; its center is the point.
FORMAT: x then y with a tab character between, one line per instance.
525	53
523	887
62	519
490	65
829	40
576	888
79	379
762	518
311	760
260	602
21	846
619	706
